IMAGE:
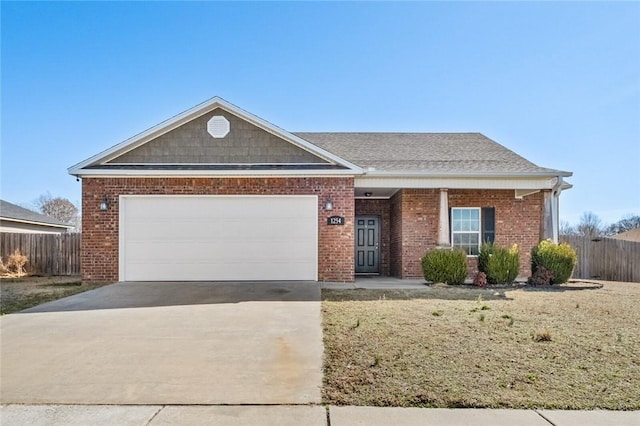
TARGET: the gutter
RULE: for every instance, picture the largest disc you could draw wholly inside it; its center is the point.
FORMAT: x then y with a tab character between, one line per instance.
394	174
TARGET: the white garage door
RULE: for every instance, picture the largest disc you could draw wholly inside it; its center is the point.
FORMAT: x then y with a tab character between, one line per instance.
218	238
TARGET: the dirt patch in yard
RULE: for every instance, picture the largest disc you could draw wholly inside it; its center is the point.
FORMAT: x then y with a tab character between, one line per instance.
555	348
17	294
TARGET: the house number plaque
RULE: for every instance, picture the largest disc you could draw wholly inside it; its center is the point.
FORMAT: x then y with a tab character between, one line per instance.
335	220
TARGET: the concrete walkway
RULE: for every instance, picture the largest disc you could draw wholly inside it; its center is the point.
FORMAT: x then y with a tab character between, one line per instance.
295	415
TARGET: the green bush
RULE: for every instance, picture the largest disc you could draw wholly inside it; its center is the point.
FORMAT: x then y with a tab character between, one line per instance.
445	266
500	264
486	250
559	259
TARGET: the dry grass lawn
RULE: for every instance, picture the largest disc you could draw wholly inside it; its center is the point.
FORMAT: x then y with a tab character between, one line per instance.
461	347
17	294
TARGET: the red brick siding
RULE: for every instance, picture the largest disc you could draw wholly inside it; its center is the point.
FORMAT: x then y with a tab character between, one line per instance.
395	240
100	229
420	209
517	221
381	208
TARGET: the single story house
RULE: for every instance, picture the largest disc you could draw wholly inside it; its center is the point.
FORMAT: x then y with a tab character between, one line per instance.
217	193
16	219
630	235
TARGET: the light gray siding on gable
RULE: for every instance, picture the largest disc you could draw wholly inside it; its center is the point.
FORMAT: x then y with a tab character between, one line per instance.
192	144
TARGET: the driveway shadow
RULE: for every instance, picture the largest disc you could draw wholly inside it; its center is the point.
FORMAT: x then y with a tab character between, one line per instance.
154	294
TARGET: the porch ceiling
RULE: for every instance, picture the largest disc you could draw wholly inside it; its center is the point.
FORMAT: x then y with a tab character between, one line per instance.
373	193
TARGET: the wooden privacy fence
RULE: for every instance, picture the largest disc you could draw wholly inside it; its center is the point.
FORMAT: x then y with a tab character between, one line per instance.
49	254
605	258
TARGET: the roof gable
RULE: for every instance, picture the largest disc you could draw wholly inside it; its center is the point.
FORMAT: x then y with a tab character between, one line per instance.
183	144
191	143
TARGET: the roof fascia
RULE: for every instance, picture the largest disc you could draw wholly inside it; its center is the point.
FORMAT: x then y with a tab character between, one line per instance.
466	175
97	173
195	112
457	182
31	222
565	186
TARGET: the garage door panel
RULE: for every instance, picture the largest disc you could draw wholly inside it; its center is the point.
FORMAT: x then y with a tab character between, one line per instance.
173	238
230	252
179	228
201	271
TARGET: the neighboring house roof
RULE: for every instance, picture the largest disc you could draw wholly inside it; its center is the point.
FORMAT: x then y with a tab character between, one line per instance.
14	213
427	153
630	235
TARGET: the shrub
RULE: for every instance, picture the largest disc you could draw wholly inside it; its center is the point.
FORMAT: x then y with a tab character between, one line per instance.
543	335
559	259
445	266
15	263
486	250
542	276
480	280
501	265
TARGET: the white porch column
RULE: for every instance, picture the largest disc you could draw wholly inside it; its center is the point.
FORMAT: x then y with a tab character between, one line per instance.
547	215
443	224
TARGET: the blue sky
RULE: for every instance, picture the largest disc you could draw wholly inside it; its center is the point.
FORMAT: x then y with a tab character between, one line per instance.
558	83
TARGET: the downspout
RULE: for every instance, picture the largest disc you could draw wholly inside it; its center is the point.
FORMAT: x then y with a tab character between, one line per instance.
555	208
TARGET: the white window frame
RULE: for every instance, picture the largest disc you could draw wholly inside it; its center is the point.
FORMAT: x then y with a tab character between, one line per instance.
478	232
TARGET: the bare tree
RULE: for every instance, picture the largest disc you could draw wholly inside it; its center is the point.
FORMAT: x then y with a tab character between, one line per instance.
567	229
590	225
58	208
625	224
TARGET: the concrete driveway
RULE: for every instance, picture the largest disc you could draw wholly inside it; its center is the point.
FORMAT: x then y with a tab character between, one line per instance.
167	343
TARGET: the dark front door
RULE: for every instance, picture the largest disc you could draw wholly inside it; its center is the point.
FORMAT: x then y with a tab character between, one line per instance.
367	244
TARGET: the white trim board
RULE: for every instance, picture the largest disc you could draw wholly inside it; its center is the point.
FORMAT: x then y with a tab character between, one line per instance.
455	182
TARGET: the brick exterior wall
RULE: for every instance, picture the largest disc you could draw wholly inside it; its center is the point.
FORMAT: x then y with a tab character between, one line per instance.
414	215
408	226
395	241
100	228
381	208
517	221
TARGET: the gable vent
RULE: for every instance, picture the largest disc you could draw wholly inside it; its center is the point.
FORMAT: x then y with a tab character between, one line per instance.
218	126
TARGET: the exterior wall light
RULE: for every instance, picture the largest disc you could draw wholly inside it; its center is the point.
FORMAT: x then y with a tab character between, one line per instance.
104	204
328	205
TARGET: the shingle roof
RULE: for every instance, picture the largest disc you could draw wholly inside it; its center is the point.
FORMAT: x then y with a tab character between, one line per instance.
446	153
630	235
12	211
